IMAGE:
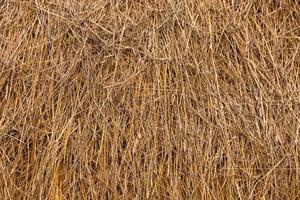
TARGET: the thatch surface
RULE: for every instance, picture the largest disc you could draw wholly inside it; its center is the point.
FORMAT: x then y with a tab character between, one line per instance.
149	99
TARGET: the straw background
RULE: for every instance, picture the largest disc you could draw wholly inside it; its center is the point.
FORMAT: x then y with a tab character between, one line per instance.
149	99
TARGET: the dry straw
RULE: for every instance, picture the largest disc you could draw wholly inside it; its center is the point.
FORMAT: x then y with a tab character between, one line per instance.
149	99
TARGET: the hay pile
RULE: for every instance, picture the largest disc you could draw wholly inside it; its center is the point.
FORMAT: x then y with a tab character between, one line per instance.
149	99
